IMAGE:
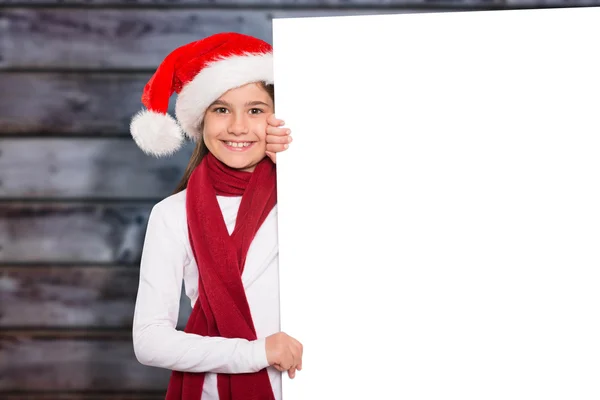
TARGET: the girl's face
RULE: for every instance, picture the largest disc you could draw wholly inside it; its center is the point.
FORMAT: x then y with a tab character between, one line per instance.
235	126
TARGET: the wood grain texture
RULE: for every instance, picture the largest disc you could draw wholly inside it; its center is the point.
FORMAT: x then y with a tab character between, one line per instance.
129	38
72	233
549	3
263	3
39	363
290	4
72	297
111	38
82	395
97	168
73	103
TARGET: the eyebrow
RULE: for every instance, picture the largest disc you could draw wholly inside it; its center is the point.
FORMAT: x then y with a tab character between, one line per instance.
250	103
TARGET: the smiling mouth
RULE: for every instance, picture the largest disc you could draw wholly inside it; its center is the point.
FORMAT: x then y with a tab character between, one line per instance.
237	146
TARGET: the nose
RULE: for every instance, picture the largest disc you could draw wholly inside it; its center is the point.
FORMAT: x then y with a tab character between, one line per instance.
238	125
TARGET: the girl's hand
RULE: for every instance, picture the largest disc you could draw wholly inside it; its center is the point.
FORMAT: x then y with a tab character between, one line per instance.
284	353
278	138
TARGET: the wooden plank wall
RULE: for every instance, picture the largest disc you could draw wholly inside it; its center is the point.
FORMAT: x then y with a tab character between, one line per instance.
75	192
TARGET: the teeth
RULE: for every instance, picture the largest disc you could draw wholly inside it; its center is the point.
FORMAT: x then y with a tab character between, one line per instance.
234	144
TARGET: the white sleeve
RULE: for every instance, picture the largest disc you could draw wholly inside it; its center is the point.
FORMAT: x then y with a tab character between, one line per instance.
156	341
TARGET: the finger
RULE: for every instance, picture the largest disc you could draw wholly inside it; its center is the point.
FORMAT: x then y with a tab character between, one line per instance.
292	373
273	139
273	130
272	156
298	346
274	121
296	357
298	354
296	351
279	367
276	148
287	362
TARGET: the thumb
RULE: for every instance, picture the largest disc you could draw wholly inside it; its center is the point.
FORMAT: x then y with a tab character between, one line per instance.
271	155
292	373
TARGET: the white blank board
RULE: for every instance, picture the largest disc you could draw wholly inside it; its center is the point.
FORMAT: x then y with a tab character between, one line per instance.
439	207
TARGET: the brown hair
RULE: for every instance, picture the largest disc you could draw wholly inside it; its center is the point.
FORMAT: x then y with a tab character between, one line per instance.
201	150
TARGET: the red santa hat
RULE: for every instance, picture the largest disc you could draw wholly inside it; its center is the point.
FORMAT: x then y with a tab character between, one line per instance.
199	72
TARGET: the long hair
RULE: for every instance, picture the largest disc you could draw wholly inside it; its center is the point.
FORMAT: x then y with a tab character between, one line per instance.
201	150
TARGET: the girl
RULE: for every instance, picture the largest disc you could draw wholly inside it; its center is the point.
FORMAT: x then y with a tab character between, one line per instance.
218	232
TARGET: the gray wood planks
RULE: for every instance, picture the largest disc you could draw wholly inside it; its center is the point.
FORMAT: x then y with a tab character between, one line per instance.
128	38
70	103
111	168
111	38
90	359
72	233
272	3
77	297
83	395
65	361
422	4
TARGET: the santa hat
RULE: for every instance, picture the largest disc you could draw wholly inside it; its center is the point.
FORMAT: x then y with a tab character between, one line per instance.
199	72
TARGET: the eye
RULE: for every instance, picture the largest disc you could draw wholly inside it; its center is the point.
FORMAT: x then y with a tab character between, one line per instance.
220	110
256	109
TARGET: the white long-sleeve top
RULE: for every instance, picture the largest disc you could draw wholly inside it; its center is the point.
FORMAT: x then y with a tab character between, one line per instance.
167	260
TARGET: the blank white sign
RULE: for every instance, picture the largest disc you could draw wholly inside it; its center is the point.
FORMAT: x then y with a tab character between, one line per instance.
439	207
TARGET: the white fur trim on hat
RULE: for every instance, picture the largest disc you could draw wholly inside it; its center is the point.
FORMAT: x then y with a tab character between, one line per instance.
155	133
213	81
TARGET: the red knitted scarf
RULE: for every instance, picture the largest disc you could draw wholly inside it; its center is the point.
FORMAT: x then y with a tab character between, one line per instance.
222	308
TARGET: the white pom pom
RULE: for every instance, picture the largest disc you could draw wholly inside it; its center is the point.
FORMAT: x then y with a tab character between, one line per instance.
155	133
